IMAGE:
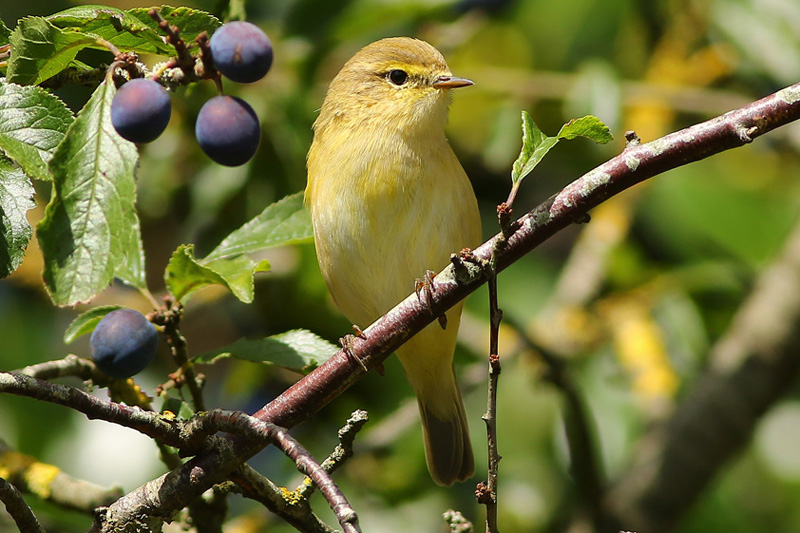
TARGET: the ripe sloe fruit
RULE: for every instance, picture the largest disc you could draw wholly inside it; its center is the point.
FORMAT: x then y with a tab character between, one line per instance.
241	51
123	343
228	130
140	110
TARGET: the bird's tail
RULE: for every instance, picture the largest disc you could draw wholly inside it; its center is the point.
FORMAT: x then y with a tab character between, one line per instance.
427	359
447	448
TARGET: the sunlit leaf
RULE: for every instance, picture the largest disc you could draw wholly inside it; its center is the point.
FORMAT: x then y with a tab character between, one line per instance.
185	275
40	50
589	126
90	228
32	123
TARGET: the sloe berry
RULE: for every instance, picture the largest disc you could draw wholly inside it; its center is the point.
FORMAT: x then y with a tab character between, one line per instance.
140	110
123	343
241	51
228	130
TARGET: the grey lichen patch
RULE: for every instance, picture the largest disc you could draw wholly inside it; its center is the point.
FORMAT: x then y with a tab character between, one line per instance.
632	162
656	147
790	95
593	180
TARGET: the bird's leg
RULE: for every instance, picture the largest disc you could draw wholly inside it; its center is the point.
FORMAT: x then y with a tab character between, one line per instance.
346	343
424	289
359	332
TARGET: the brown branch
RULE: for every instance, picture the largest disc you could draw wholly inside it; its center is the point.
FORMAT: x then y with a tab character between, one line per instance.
342	452
20	512
487	493
317	389
295	511
751	367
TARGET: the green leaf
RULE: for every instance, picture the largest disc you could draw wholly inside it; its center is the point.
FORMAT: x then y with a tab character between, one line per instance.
185	275
5	33
298	350
86	322
134	30
191	22
284	222
589	126
16	198
90	227
32	123
535	146
40	50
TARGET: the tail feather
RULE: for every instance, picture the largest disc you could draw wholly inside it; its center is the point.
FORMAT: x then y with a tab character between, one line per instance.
447	448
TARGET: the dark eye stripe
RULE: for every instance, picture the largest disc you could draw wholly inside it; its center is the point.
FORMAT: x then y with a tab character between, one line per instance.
397	76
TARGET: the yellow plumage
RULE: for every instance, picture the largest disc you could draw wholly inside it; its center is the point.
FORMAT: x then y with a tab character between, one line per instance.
389	200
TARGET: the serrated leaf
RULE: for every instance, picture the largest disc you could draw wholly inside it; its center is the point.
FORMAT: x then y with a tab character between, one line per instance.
16	199
135	30
91	222
40	50
5	33
191	22
284	222
32	123
185	275
86	322
298	350
535	146
589	126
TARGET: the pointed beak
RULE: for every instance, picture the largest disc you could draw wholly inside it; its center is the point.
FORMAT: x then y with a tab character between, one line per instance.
451	82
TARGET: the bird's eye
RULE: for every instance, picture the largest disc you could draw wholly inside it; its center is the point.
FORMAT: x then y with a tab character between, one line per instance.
397	76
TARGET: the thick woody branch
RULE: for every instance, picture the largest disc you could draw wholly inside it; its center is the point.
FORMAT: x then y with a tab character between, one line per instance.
635	164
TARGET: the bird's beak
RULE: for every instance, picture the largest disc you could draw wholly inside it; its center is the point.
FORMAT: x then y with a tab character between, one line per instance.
451	82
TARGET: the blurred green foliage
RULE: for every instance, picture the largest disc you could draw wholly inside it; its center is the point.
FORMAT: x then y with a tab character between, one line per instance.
668	262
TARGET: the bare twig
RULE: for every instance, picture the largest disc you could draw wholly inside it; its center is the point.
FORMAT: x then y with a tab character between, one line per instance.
238	422
342	452
487	494
317	389
170	318
69	366
286	504
18	509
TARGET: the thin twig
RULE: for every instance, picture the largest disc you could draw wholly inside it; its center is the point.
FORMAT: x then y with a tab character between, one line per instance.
170	317
286	504
488	495
238	422
342	452
15	505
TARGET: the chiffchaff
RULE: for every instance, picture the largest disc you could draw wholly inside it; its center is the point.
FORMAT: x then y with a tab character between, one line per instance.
389	200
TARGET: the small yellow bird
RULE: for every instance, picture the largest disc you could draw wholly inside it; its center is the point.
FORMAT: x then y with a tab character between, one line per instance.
388	201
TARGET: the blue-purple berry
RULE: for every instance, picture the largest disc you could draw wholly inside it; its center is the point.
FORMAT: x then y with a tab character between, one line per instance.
123	343
228	130
241	51
140	110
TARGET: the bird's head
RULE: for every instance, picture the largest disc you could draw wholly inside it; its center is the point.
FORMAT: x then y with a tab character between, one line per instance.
398	82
